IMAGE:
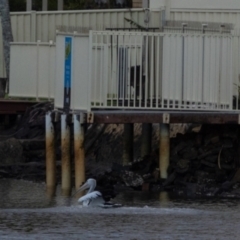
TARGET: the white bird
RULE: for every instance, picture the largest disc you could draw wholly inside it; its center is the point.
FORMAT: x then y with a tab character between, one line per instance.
95	198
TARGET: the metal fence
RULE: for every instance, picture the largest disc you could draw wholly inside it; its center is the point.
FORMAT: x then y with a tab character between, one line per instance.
34	26
133	70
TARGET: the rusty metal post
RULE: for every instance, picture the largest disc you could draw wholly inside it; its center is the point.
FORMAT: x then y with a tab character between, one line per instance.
50	155
66	160
79	152
128	143
146	139
164	150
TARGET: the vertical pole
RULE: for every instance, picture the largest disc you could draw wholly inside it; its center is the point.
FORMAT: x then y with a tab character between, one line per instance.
146	139
60	5
164	150
29	5
37	71
50	155
66	161
33	26
79	150
203	60
44	5
184	25
128	143
168	9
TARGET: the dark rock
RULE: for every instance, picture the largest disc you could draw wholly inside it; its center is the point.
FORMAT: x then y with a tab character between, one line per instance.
192	153
11	152
209	164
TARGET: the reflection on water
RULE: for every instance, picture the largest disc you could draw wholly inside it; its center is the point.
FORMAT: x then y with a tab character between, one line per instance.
27	213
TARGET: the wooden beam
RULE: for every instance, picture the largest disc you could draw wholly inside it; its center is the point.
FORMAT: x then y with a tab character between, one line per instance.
119	117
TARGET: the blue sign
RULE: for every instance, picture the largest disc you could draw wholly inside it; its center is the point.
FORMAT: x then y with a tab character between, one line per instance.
67	71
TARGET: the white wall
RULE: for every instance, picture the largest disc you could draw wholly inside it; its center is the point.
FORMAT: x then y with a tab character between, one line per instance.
33	26
156	3
32	70
198	4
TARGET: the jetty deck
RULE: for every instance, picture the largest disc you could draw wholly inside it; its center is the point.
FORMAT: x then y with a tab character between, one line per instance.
164	117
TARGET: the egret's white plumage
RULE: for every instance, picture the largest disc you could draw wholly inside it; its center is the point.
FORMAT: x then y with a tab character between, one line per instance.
93	198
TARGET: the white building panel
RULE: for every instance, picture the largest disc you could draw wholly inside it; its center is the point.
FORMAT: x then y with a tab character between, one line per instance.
32	70
79	72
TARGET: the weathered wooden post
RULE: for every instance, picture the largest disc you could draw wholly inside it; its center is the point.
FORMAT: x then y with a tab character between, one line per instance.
66	160
79	153
164	150
128	143
146	139
50	155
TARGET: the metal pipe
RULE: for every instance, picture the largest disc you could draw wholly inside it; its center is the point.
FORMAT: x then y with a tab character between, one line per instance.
164	150
203	60
29	5
44	5
50	154
146	140
60	5
66	160
184	25
79	153
128	143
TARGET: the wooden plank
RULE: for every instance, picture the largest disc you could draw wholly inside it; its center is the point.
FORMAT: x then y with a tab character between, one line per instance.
14	107
159	117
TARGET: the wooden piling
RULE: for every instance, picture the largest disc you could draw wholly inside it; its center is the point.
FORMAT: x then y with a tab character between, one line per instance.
128	143
65	160
79	152
146	139
164	150
50	154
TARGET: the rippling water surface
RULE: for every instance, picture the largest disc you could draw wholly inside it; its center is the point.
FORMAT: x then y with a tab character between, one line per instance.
27	213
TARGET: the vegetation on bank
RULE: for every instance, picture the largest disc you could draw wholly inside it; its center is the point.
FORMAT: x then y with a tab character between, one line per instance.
20	5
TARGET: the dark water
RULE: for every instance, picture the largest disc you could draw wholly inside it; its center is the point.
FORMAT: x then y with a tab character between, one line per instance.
27	213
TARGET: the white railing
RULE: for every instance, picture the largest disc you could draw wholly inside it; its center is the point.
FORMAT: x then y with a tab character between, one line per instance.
140	70
132	70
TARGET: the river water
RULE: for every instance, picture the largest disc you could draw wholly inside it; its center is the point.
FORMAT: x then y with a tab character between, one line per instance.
27	213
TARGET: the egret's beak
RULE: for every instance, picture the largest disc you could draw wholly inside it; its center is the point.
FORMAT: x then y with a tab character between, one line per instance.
83	187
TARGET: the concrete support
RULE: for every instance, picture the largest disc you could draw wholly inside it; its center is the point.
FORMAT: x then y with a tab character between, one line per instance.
164	150
79	153
146	139
60	5
29	5
128	143
66	160
50	155
44	5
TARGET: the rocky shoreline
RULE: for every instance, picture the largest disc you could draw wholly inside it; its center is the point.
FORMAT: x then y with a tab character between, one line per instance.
203	162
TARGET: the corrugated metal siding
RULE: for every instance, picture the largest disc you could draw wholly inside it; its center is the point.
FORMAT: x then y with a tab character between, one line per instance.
33	26
32	70
208	16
